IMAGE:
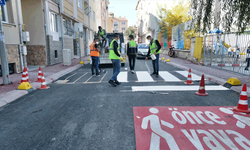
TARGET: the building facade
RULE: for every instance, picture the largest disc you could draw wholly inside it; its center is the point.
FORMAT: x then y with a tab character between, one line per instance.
102	11
116	24
147	20
52	25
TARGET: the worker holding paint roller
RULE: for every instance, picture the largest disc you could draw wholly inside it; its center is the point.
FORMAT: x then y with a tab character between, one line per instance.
154	50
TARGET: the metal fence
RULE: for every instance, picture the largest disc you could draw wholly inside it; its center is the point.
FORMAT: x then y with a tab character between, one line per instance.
227	51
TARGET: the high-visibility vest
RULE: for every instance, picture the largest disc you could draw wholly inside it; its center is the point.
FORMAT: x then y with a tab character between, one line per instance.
132	46
112	54
153	48
93	50
102	32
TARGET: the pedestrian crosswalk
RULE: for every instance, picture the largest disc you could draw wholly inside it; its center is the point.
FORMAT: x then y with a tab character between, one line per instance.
194	76
168	76
126	76
144	76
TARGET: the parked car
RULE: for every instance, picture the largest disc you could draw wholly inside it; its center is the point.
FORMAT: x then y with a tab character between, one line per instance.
142	50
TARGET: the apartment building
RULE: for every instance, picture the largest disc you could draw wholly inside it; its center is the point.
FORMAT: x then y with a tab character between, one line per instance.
52	25
102	11
147	20
116	24
120	24
110	28
10	21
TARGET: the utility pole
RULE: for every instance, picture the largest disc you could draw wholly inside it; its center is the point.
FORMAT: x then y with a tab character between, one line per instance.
3	55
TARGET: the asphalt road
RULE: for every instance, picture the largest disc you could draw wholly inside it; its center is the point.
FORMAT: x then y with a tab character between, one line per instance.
87	113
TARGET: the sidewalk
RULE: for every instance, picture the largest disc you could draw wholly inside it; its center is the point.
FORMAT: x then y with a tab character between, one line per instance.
9	93
217	75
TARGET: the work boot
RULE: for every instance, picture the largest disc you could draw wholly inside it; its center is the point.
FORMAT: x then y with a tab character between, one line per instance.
112	83
246	68
117	82
153	73
97	74
93	74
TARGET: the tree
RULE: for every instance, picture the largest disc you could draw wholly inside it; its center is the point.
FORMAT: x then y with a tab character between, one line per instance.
130	31
176	15
233	14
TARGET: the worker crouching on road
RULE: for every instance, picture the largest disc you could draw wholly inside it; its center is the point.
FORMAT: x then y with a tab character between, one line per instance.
132	52
94	53
154	50
114	56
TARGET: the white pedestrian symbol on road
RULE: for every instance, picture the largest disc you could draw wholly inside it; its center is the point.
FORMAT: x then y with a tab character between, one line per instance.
157	132
242	120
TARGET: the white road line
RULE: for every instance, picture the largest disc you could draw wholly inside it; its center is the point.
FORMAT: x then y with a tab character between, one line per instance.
123	76
194	76
176	88
168	76
144	76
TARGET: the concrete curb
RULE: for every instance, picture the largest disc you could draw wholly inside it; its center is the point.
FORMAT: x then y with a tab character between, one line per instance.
15	94
212	78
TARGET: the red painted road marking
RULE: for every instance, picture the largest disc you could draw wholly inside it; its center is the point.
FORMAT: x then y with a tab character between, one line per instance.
190	128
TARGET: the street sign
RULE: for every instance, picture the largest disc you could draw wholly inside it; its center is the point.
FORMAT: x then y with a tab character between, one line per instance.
189	128
2	2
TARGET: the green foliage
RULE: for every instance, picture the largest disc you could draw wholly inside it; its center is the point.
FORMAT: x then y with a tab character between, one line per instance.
176	15
130	31
234	14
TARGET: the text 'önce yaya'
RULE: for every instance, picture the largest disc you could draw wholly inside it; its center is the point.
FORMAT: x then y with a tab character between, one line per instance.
191	128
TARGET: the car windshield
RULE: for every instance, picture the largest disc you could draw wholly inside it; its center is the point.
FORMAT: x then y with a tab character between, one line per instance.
143	46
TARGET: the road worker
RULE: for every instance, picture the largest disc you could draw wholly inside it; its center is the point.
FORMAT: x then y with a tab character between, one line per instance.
154	50
102	35
132	52
114	56
94	53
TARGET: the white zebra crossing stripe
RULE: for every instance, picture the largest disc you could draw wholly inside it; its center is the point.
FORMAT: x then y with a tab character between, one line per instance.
176	88
194	76
123	77
168	76
144	76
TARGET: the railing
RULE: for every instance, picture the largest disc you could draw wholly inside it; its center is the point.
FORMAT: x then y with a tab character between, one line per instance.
227	51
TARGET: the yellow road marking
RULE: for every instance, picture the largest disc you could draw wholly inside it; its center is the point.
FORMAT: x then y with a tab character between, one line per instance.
86	82
70	76
103	77
79	78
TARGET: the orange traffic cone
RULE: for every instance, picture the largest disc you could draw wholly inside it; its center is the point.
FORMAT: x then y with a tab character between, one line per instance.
189	78
39	78
43	85
27	75
24	76
202	91
243	102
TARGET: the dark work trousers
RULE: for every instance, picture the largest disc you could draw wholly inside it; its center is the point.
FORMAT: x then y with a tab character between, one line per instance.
248	61
132	61
156	64
95	64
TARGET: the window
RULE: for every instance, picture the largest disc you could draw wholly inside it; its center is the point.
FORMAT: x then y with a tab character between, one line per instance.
93	15
53	22
67	27
123	22
56	54
86	10
90	12
80	4
7	13
123	29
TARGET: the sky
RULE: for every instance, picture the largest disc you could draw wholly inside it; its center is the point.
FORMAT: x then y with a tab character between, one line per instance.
127	8
124	8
